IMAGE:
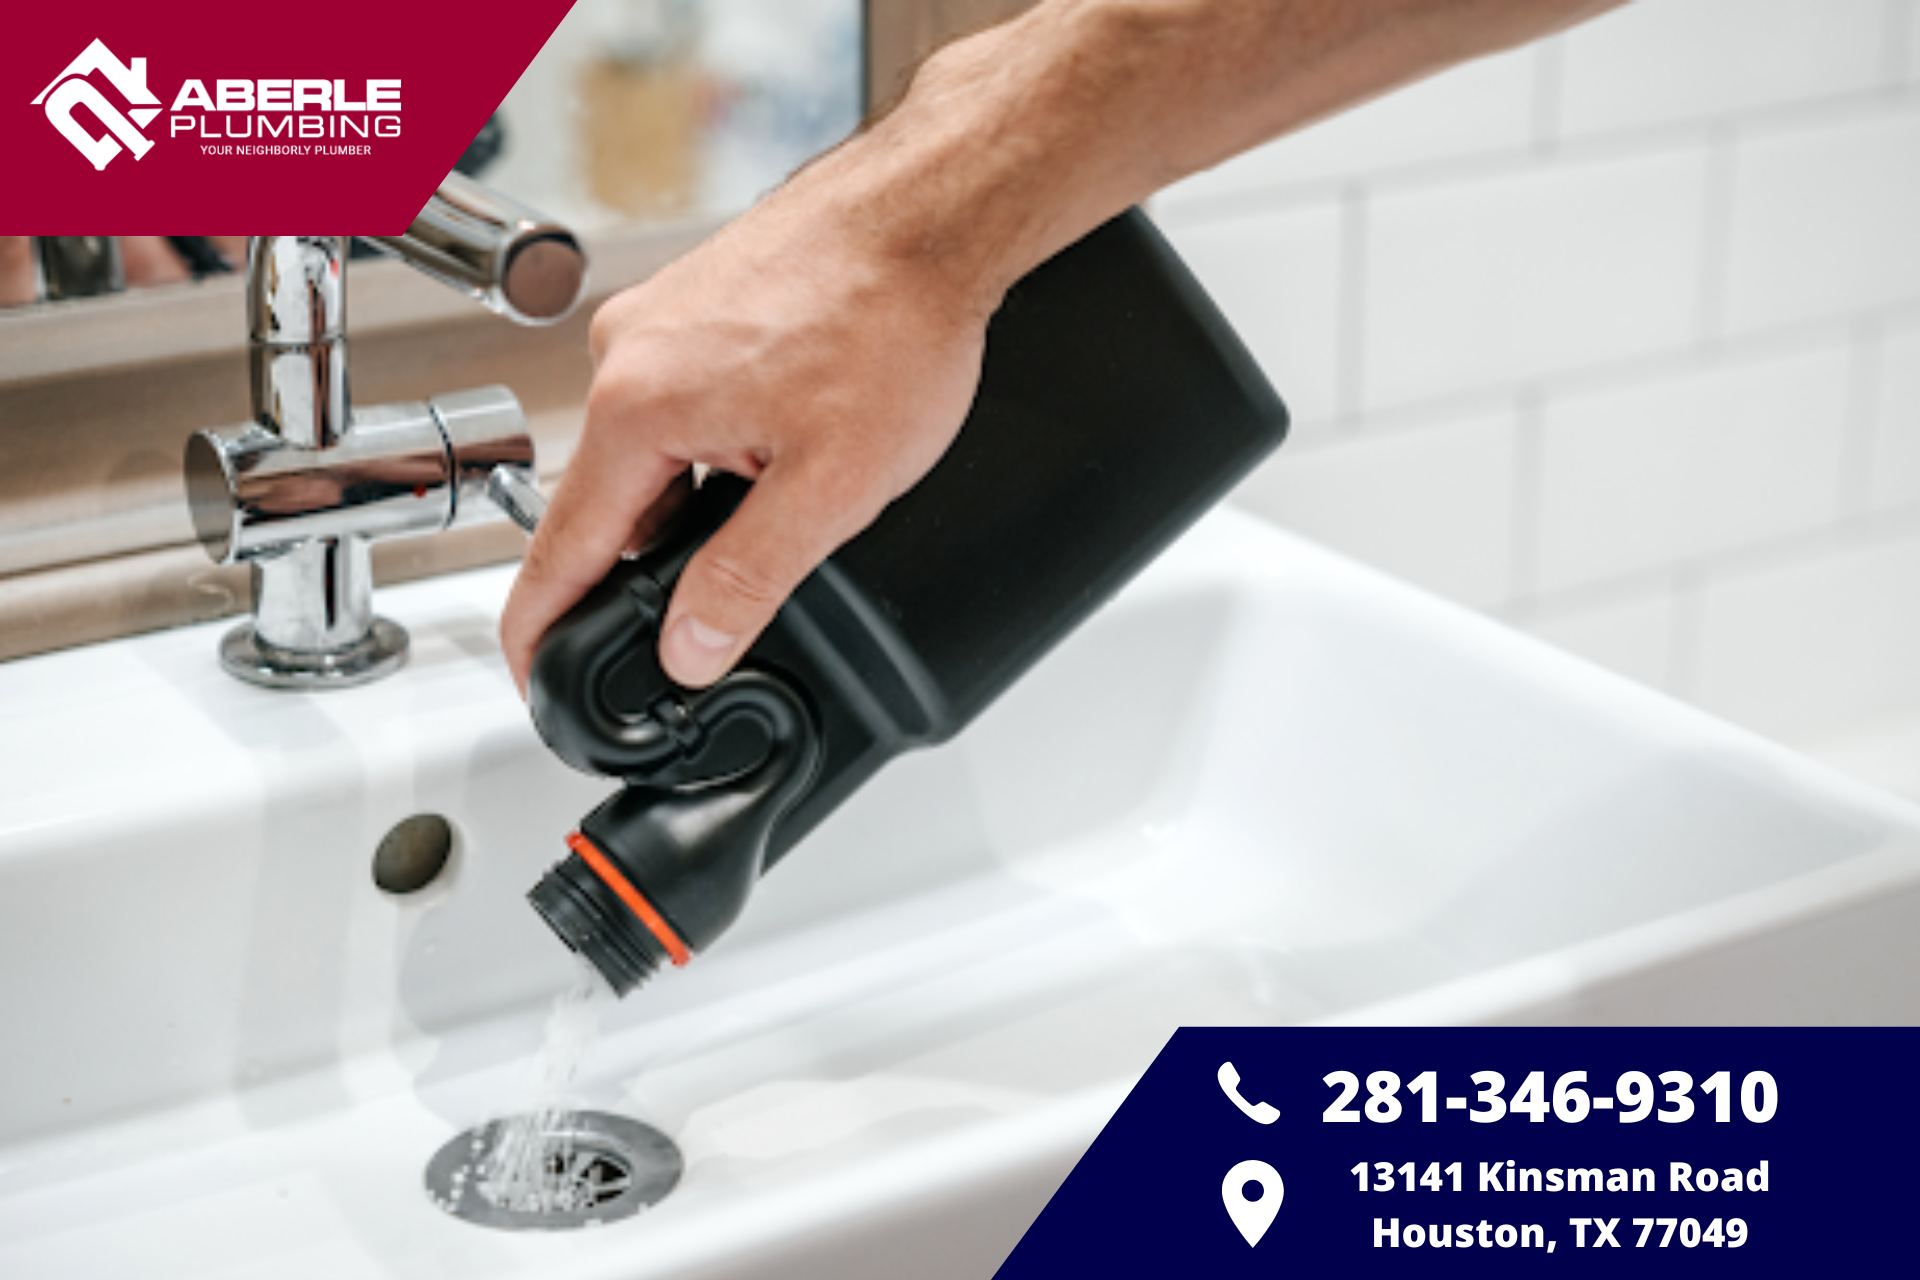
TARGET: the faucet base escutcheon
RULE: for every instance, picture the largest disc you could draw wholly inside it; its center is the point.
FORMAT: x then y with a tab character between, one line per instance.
245	656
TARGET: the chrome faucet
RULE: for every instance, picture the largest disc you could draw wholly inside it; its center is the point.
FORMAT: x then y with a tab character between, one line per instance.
301	492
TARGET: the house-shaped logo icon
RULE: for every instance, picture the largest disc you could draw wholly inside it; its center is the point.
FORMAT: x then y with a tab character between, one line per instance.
71	89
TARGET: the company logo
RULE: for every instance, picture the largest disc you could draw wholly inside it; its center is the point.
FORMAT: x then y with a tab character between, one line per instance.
238	118
71	89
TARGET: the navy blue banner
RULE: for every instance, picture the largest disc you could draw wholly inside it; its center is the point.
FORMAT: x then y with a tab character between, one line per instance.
1496	1152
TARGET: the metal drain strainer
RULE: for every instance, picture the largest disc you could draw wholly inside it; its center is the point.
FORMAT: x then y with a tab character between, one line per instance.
606	1167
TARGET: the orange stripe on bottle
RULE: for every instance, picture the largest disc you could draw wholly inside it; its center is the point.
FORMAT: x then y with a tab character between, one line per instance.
623	889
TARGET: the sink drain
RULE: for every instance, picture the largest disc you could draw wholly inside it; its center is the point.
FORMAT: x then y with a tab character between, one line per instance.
597	1168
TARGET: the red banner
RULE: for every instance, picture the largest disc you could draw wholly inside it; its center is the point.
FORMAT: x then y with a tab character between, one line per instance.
118	117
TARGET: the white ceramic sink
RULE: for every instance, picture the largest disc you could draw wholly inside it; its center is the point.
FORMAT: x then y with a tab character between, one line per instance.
1265	786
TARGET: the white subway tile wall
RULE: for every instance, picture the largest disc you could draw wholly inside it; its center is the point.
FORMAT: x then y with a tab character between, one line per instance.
1639	476
1431	505
1480	283
1825	219
1674	61
1618	338
1815	644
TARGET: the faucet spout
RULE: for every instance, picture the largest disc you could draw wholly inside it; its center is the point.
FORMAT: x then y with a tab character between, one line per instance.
511	259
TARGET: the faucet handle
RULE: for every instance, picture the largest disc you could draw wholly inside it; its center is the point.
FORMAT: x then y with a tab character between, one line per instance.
490	455
514	492
511	258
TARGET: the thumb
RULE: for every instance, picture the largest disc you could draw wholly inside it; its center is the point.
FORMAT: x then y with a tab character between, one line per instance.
787	524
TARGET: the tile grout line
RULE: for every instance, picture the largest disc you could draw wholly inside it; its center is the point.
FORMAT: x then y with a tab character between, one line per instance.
1523	538
1684	634
1549	64
1854	492
1350	340
1716	235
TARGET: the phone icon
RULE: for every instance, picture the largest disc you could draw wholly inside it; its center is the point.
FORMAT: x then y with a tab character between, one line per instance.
1259	1112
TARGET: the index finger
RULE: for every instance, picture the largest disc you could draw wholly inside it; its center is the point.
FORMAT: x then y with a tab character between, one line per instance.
601	500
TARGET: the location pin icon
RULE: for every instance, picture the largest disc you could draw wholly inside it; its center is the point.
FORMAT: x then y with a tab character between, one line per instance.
1252	1213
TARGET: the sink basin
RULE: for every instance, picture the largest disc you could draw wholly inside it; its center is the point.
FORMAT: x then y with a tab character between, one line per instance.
1265	785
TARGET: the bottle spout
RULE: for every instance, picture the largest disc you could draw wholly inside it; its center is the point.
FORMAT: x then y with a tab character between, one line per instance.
658	873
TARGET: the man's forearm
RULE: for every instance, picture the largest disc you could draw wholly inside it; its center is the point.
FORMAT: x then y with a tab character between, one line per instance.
1013	143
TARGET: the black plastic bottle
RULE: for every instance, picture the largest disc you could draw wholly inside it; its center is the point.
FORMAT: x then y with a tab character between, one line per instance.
1115	406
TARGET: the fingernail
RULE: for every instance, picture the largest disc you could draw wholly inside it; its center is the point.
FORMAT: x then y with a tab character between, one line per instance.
695	653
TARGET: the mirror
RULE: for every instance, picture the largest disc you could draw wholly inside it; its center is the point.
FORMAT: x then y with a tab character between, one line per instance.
634	112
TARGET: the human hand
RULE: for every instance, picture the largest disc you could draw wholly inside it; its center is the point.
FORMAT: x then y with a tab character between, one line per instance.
794	349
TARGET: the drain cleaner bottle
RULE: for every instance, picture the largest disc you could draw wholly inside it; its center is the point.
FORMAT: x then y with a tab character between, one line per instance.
1115	406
